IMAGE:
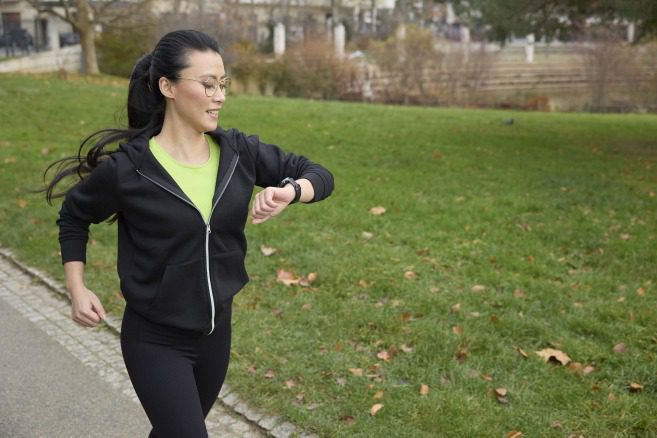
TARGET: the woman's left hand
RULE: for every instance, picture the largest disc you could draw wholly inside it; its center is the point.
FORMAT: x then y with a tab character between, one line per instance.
270	202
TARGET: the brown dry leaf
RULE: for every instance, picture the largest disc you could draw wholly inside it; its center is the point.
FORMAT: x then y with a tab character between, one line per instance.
588	369
375	408
347	419
487	377
267	250
410	275
270	374
462	354
308	280
366	235
530	259
406	349
45	151
251	369
635	387
611	397
456	308
641	291
307	306
341	381
501	392
287	278
457	330
434	290
519	293
363	284
289	384
550	354
356	371
377	211
576	368
522	352
22	203
424	389
478	288
620	348
556	424
625	236
383	355
514	434
10	160
378	395
405	316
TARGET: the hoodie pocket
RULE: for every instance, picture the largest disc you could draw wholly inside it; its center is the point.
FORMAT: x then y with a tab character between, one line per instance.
228	274
182	298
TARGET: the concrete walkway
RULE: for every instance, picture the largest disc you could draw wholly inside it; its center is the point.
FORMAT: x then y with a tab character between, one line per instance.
58	379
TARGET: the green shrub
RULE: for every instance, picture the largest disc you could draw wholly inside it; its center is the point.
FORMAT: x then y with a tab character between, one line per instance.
119	47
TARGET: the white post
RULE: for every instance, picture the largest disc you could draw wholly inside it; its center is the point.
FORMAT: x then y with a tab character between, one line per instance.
279	39
339	39
465	42
529	49
52	38
631	28
450	16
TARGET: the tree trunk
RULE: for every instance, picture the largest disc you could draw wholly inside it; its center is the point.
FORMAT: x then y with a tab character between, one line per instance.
85	27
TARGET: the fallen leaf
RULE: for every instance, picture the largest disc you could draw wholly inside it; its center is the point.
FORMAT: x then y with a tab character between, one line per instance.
347	419
375	408
522	352
383	355
10	160
270	374
635	387
356	371
289	384
456	308
519	293
308	280
45	151
410	275
424	389
576	368
341	381
556	424
640	291
487	377
367	235
363	284
625	236
550	354
611	397
378	395
501	392
251	369
287	278
620	348
478	288
405	316
457	330
267	250
307	306
462	354
406	349
514	434
22	203
377	211
588	369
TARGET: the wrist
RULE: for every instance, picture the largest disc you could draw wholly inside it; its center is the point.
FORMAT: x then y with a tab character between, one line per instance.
295	187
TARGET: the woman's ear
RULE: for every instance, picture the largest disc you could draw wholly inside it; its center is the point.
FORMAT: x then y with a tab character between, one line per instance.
166	87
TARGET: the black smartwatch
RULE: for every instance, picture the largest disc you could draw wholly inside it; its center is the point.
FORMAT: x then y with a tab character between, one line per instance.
297	188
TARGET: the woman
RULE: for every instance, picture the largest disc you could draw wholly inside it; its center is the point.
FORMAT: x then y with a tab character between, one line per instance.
179	188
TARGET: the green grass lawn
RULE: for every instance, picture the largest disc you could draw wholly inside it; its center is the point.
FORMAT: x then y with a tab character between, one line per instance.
497	239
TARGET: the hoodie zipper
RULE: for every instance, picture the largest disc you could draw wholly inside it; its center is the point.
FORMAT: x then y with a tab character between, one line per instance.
208	230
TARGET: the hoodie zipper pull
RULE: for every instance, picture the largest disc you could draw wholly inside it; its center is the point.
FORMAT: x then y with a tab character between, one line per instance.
207	228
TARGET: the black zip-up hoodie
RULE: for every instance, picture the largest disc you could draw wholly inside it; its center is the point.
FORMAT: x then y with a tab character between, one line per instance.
174	268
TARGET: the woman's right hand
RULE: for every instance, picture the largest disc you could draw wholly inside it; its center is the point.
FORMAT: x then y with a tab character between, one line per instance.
86	308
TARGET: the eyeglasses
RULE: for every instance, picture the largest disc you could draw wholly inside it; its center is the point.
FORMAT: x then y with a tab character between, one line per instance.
211	85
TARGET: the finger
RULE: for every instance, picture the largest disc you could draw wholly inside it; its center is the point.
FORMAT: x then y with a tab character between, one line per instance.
97	308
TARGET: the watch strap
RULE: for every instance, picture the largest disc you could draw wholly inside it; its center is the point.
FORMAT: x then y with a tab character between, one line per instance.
295	185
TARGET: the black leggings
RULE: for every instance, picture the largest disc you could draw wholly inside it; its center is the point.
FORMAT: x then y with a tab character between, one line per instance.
177	375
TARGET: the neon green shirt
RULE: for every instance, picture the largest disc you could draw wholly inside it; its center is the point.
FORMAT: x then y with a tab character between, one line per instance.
197	182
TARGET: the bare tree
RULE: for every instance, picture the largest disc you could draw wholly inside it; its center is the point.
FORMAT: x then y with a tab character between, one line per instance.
84	16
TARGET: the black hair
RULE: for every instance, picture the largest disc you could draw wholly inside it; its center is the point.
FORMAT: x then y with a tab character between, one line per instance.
145	105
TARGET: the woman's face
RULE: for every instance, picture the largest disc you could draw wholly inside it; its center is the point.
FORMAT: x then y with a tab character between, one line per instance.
189	98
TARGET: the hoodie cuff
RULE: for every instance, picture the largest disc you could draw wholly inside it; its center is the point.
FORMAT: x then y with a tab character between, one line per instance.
73	251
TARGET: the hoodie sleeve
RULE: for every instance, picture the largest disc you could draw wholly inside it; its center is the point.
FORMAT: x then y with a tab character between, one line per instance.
92	200
272	165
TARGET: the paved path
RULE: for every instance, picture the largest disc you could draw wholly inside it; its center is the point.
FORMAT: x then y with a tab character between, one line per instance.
58	379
